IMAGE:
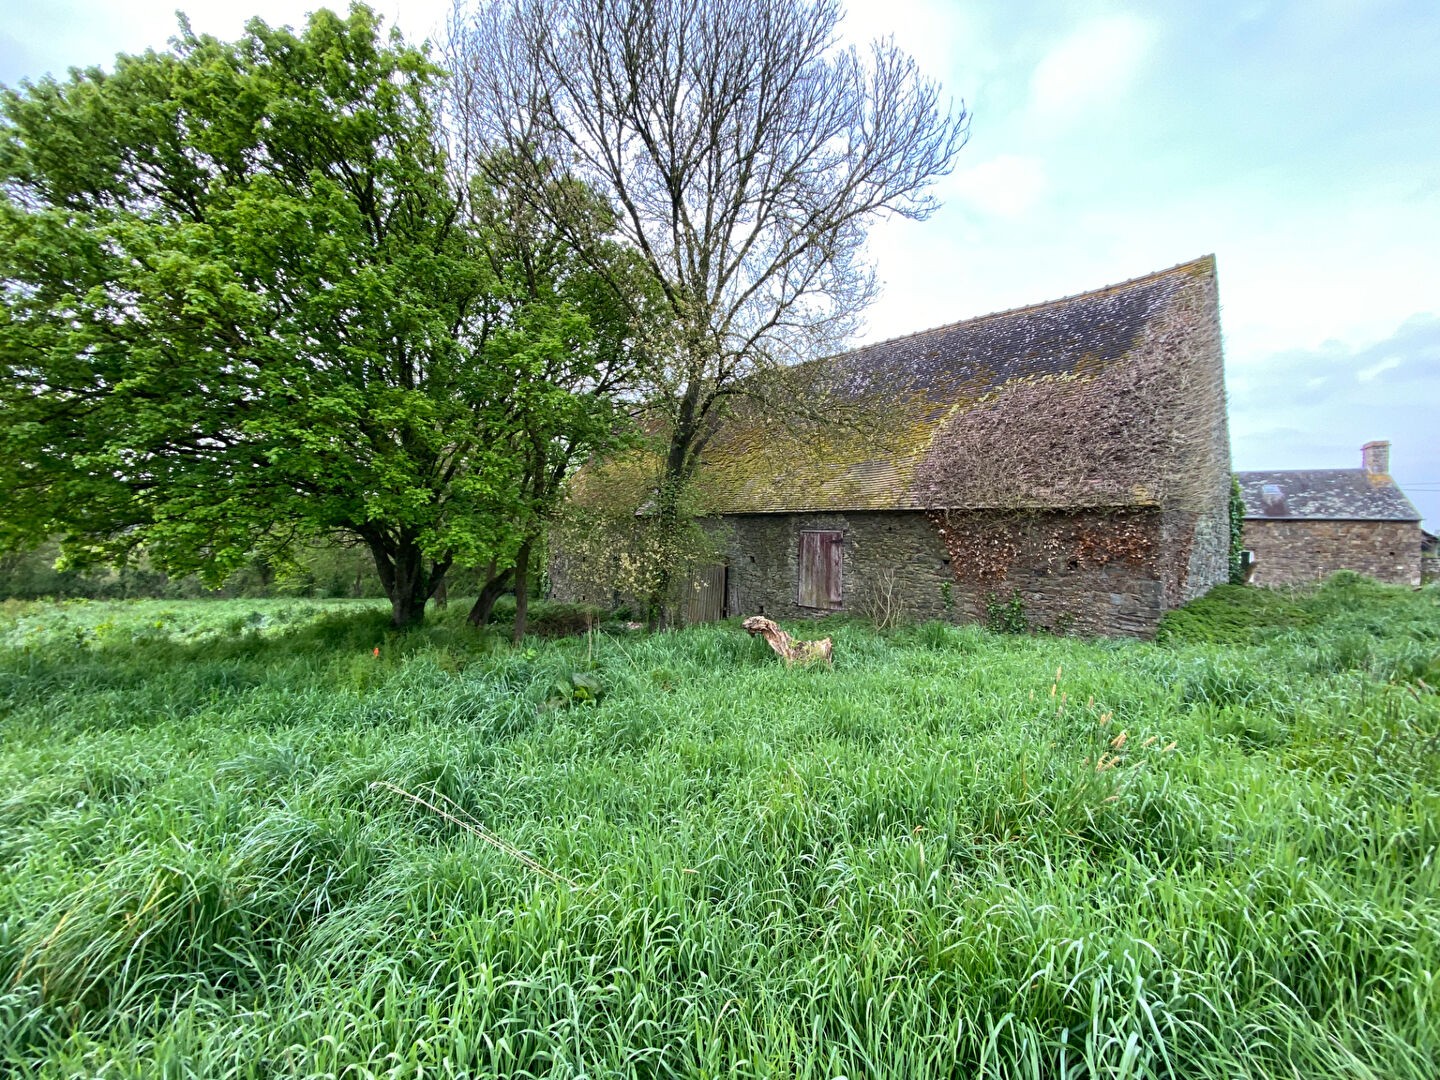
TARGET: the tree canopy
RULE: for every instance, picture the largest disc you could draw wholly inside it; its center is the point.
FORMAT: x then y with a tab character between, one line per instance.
248	300
306	285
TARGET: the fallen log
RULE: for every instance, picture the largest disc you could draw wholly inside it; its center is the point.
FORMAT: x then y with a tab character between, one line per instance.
787	648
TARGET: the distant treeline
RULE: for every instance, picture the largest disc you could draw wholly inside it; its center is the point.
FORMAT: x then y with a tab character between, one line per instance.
321	571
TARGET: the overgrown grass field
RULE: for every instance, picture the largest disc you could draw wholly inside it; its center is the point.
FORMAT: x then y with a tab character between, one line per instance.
235	841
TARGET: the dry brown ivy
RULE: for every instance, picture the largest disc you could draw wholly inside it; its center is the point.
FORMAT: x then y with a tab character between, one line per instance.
1073	471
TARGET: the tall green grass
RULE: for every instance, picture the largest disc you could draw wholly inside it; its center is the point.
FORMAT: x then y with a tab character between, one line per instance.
955	854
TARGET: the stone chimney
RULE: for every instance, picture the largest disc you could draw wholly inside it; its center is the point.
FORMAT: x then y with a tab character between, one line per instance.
1376	456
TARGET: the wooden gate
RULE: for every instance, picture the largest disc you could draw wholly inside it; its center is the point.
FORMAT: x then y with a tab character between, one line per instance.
706	599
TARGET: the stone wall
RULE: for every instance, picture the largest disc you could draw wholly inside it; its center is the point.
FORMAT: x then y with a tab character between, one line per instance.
879	546
567	582
901	552
1198	514
1295	552
1210	550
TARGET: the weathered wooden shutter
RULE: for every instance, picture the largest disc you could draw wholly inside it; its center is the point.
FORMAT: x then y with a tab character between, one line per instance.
822	569
706	601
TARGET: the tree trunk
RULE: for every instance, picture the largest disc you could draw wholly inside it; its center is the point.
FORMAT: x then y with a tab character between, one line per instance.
522	587
442	596
659	604
407	611
679	469
409	592
494	587
401	567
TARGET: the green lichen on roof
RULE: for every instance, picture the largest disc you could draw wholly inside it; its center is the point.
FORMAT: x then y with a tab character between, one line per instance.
898	395
754	466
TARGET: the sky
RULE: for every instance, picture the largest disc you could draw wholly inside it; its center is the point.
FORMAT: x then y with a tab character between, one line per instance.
1296	140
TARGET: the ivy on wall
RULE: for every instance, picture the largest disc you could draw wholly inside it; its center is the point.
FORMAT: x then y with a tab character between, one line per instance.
607	542
1237	532
1139	430
984	545
1115	462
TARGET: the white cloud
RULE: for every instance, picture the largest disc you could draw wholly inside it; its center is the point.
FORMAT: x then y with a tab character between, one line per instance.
1092	66
1008	185
1369	374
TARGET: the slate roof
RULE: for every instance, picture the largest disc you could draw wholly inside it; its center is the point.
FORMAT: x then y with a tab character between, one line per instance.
1324	495
924	379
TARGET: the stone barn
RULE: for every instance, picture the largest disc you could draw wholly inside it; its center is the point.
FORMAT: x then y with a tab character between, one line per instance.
1302	525
1066	462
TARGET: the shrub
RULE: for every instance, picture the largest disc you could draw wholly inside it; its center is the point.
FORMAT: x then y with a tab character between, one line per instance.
1006	616
1234	615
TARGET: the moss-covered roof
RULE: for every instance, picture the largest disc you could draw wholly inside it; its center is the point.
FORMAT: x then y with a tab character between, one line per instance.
914	388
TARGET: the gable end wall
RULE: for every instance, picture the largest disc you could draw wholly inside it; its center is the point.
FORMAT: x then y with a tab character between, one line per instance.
1297	552
1196	494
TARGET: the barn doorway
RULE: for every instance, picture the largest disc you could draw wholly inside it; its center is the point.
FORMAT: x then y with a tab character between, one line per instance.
821	569
706	600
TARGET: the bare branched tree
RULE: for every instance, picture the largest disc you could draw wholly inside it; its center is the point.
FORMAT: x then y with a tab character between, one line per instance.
745	152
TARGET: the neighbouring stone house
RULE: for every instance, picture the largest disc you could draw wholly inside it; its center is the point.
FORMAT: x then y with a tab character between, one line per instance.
1303	525
1070	458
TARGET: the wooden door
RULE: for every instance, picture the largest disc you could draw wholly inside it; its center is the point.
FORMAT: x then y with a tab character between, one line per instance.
822	569
706	599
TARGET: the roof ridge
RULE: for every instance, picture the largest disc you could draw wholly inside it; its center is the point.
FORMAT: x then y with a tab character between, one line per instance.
1272	472
1201	261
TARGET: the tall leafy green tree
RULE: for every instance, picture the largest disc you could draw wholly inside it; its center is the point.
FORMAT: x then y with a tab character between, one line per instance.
243	306
567	403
